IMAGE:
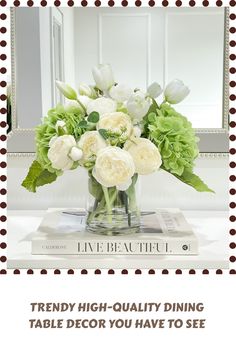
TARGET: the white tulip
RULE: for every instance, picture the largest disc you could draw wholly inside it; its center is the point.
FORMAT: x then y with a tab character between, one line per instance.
103	76
86	90
146	156
59	151
120	92
102	105
176	91
113	167
154	90
91	143
117	122
66	90
85	100
76	154
138	105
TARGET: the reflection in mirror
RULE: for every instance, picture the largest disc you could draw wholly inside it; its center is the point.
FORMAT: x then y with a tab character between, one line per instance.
142	45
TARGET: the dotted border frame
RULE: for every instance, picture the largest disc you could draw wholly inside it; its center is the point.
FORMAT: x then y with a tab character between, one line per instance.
4	42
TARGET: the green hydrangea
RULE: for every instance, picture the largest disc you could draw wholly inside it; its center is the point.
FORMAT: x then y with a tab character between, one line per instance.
44	132
175	138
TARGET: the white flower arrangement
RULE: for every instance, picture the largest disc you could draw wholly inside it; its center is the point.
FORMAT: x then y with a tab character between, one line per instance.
116	133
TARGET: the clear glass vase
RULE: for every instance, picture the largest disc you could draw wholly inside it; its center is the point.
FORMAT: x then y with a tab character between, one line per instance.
111	211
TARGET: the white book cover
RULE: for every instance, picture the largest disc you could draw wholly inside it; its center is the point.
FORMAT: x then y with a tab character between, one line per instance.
163	232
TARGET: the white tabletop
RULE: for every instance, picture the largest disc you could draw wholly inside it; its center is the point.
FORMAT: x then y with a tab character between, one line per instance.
211	228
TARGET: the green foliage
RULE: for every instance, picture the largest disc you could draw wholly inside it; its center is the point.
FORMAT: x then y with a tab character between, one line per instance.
104	133
114	138
83	124
194	181
175	138
37	176
60	131
93	117
95	188
47	130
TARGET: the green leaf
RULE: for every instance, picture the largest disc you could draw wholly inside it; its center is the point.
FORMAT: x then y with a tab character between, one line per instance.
83	124
93	117
45	177
104	133
193	180
30	181
95	188
37	176
60	131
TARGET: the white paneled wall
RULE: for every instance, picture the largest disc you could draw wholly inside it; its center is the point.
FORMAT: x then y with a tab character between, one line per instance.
157	190
145	45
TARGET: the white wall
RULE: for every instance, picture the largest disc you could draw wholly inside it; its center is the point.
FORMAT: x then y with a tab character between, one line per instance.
69	46
159	44
157	190
46	54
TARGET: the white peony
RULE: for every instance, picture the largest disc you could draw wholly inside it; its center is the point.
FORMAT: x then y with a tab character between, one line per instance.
101	105
176	91
52	140
59	151
90	143
114	167
146	156
103	76
117	122
138	105
120	92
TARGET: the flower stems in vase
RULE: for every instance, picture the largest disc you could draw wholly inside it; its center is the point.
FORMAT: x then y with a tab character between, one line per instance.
112	209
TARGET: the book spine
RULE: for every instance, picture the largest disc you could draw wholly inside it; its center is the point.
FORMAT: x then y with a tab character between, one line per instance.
108	247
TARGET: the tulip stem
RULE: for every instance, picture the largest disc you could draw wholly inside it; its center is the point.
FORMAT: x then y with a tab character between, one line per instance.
81	104
108	204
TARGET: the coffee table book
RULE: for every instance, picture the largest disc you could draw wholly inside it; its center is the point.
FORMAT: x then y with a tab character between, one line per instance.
164	232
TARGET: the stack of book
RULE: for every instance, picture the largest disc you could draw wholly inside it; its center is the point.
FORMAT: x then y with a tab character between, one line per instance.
164	232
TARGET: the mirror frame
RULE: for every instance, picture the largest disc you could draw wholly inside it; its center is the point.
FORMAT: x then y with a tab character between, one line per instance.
214	142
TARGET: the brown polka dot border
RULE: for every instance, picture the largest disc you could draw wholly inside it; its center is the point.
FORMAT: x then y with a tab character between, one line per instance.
4	31
232	136
123	272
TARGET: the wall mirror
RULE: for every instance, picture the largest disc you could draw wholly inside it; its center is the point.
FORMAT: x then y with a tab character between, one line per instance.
142	45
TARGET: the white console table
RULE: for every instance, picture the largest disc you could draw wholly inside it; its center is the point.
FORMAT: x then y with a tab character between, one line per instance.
211	228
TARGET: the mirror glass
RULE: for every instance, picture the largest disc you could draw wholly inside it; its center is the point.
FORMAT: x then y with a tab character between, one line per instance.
142	45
